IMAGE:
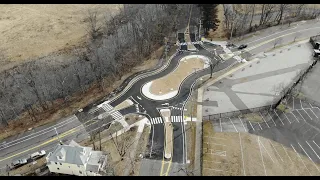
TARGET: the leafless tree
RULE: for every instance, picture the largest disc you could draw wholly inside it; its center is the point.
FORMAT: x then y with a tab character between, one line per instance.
266	13
283	8
252	9
122	144
297	9
93	27
277	41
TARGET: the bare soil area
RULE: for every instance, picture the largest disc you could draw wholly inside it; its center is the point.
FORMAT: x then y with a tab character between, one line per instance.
33	30
172	81
238	154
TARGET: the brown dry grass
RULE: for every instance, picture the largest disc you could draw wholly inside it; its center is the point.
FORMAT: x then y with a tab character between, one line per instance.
277	159
122	105
191	139
114	158
172	81
77	101
33	30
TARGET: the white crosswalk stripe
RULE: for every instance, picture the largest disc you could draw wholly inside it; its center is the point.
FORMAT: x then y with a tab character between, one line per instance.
107	107
185	43
156	120
176	119
116	115
137	107
177	108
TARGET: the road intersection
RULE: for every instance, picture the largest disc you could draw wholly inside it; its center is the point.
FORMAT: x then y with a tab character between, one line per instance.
79	125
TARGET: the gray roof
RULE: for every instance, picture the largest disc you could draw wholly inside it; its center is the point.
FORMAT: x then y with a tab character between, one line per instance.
73	154
70	154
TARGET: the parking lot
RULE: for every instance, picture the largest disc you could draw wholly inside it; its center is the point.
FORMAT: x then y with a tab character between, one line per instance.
283	137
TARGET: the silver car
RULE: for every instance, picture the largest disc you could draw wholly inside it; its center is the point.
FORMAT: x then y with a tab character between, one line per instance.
18	163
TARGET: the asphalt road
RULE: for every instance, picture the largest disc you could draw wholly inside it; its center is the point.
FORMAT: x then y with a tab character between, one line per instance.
46	138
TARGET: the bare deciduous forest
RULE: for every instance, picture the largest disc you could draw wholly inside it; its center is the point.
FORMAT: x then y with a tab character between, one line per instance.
112	49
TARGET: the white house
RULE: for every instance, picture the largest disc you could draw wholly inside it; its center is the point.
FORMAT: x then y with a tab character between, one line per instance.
76	160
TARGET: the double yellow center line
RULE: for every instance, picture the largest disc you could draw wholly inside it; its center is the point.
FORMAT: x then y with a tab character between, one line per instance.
71	131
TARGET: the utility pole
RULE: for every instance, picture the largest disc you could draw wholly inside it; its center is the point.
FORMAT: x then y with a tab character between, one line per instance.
200	29
57	135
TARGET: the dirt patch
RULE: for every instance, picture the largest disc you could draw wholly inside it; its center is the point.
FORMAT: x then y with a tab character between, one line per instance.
172	81
133	118
40	29
246	154
220	33
191	145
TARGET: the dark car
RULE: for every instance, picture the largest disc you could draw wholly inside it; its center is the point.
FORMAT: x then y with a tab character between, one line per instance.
242	46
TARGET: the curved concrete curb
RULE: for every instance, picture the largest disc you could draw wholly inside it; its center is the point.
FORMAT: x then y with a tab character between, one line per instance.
146	87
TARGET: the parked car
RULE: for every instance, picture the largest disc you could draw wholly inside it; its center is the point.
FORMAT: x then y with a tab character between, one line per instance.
17	163
37	155
242	46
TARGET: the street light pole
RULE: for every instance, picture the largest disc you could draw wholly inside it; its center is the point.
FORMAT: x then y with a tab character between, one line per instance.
57	134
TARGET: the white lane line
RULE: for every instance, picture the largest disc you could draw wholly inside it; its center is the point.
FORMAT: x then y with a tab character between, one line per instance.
301	159
307	113
295	117
233	125
316	144
251	125
265	120
306	131
271	35
275	150
286	117
315	135
266	151
308	156
293	103
313	112
260	126
243	124
265	171
313	150
279	117
21	141
286	153
220	125
60	124
301	104
244	171
302	116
